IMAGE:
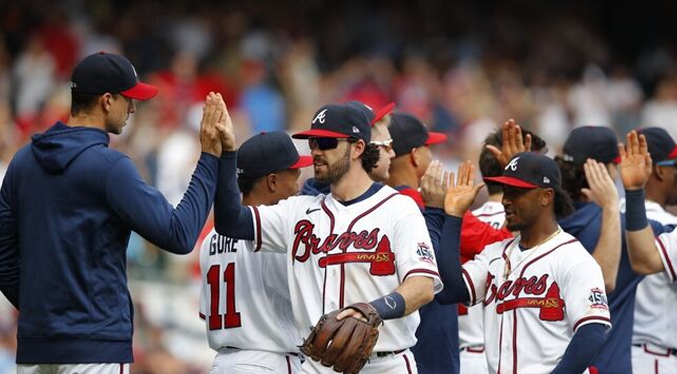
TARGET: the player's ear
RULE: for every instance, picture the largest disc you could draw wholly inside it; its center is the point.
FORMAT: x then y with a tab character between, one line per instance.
271	182
659	172
414	157
357	151
106	102
547	196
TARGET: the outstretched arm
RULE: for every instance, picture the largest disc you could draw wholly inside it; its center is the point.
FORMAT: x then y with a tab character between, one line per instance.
603	192
635	169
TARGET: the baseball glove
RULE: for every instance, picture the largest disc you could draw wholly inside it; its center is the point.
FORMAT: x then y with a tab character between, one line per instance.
344	345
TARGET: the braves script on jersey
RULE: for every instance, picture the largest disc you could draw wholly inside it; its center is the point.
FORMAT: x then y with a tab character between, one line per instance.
339	255
534	301
245	297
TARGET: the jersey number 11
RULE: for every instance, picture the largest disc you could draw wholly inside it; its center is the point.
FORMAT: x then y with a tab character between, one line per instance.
231	318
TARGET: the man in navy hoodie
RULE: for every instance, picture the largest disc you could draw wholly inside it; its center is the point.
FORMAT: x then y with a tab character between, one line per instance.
67	207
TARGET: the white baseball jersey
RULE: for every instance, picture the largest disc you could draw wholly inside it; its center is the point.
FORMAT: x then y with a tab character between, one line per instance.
470	326
245	297
339	255
655	317
534	300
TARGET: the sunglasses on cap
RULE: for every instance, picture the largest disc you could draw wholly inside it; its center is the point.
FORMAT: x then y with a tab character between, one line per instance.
386	144
325	144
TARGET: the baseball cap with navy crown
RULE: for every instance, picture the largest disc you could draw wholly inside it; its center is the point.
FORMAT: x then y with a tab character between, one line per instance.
373	115
661	146
338	121
103	72
409	132
596	142
269	152
530	170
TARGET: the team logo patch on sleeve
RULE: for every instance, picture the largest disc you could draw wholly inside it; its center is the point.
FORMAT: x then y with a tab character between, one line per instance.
598	299
425	253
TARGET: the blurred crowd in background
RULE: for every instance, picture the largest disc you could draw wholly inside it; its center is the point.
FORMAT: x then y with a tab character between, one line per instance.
462	68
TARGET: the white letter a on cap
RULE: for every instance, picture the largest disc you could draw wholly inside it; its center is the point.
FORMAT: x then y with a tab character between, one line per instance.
512	165
320	116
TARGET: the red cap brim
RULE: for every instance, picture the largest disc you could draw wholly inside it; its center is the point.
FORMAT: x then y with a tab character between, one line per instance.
141	92
511	181
319	133
304	161
436	137
382	112
673	154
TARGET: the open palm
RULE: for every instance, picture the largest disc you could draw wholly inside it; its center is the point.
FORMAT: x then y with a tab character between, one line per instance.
635	166
461	191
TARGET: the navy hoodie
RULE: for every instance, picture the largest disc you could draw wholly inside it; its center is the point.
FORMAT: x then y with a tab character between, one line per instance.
67	207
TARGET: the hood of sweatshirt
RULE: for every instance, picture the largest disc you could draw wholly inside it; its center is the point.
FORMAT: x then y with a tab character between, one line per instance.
57	147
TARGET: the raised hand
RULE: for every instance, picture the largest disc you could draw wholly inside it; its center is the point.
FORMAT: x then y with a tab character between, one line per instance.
636	164
602	189
209	135
434	184
462	191
225	128
512	143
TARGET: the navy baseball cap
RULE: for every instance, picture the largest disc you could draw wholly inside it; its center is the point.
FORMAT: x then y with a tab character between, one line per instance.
596	142
338	121
409	132
374	116
661	146
530	170
268	153
107	72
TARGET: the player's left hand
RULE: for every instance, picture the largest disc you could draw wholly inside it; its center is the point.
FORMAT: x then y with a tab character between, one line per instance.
434	184
602	189
512	143
462	191
636	165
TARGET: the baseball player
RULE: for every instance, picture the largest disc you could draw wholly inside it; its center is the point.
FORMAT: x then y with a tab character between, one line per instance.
654	341
545	304
470	326
380	136
364	242
68	205
245	296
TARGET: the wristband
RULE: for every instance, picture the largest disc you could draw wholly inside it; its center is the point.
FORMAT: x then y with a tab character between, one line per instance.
389	306
635	211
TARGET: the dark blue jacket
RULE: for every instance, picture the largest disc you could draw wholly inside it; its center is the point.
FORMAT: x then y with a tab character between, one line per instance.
614	358
67	207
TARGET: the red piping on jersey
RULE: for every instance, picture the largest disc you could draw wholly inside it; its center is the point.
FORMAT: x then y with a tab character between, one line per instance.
288	365
122	369
426	271
667	259
655	366
500	347
543	255
257	218
473	296
202	316
331	231
406	362
591	318
488	214
646	350
350	228
514	342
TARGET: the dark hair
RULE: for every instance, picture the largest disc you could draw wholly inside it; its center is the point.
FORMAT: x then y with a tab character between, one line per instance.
82	102
564	207
489	166
573	178
247	184
85	102
370	157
